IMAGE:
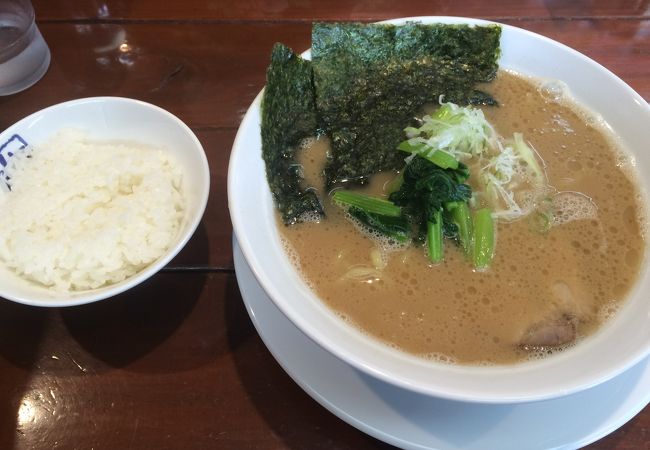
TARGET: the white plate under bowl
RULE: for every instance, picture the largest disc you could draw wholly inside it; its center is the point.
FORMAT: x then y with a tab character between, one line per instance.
415	421
619	344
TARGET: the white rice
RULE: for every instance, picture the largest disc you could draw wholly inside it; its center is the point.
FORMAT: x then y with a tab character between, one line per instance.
83	214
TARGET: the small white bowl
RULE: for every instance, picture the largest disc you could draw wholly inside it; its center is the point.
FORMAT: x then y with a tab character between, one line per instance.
112	118
620	343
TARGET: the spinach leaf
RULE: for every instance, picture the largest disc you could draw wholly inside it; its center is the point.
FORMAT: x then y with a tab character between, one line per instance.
425	191
396	228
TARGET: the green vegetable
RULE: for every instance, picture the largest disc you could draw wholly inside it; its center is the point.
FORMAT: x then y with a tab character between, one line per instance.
434	237
288	116
441	159
483	238
425	190
377	214
367	203
426	187
395	183
371	79
396	228
460	215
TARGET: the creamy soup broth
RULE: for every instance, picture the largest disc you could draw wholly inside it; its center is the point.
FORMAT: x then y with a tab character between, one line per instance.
581	269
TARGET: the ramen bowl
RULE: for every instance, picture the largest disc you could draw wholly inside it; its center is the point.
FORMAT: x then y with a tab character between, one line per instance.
123	121
620	342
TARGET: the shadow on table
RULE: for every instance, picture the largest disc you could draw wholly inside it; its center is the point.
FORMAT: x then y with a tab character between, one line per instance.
21	330
291	414
21	333
130	327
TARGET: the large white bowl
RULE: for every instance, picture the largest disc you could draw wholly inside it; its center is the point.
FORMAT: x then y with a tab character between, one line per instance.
121	119
616	347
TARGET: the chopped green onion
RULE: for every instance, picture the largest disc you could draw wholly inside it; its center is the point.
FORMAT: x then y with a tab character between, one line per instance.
443	160
395	183
527	154
458	130
483	238
440	158
409	146
367	203
541	220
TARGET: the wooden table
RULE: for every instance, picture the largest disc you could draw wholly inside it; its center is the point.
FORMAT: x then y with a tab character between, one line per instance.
176	362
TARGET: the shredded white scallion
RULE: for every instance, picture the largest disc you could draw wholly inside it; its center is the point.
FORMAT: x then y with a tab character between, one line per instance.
511	173
462	132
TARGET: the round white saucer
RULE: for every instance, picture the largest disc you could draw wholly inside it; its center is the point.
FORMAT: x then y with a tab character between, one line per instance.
415	421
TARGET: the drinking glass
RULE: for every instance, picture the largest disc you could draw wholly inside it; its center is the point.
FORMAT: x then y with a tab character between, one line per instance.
24	55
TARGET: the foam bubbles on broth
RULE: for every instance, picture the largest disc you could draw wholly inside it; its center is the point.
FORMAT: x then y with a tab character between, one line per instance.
570	206
450	313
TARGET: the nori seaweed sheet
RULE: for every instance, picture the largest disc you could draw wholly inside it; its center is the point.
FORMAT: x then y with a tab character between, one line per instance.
370	80
288	117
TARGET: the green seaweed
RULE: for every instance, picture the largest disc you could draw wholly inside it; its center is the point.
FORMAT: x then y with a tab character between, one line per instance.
288	117
371	79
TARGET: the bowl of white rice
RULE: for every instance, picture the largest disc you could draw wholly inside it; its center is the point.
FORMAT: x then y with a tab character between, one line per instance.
96	196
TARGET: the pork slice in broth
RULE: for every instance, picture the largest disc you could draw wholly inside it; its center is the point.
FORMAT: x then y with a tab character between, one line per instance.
560	327
551	332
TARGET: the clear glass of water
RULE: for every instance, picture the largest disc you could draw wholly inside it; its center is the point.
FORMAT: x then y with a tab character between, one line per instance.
24	55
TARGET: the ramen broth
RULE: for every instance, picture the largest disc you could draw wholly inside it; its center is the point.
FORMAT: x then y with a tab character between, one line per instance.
580	270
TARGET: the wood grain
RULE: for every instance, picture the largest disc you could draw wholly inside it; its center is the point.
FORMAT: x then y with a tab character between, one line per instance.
292	10
176	362
208	74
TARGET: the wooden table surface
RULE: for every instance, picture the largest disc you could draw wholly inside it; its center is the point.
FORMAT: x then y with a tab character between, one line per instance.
176	362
